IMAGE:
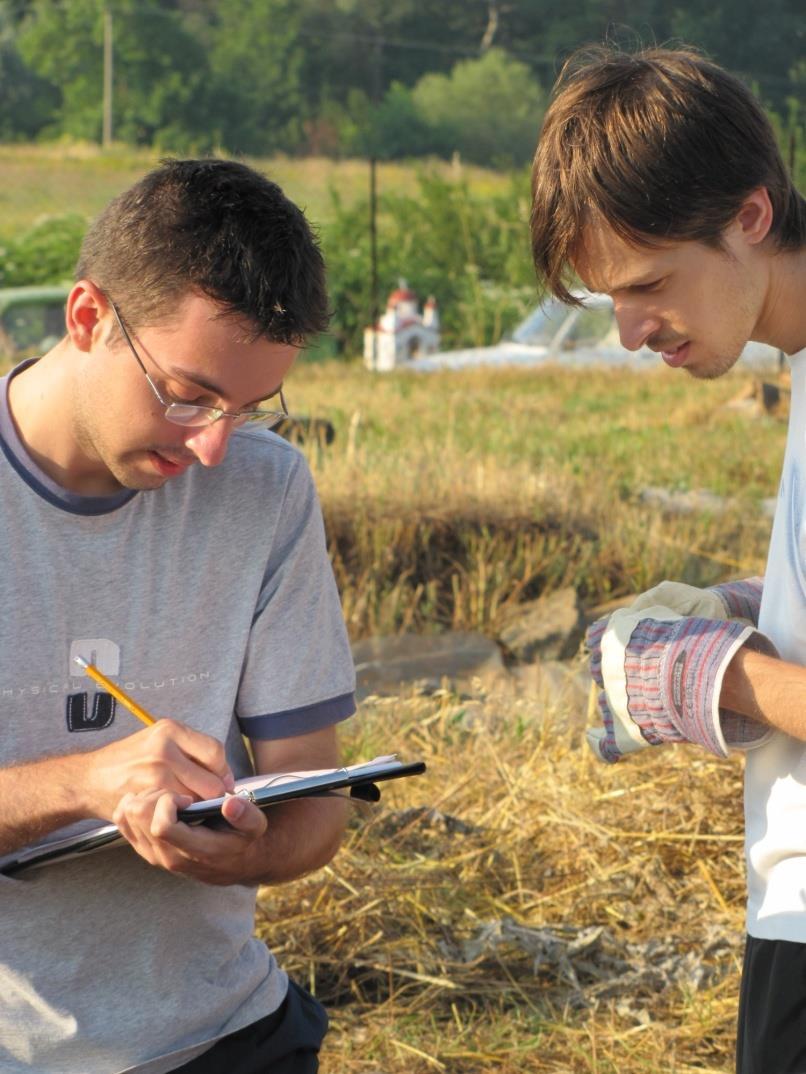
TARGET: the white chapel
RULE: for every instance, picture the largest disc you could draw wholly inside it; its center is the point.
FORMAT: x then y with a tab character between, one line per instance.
403	334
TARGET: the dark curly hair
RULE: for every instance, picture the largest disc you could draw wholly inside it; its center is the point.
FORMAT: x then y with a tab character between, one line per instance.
216	227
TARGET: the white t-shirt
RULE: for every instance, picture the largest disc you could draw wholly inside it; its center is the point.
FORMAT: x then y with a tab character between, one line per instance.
775	781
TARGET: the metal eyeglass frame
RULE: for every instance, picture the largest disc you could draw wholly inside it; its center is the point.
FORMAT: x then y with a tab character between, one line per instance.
193	415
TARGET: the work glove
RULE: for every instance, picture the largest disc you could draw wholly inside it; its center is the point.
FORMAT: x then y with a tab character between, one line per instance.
659	664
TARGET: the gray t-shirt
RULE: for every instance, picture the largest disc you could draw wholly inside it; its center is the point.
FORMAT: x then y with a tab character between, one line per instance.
210	600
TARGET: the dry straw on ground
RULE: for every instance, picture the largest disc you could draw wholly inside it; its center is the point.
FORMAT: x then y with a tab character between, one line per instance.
522	907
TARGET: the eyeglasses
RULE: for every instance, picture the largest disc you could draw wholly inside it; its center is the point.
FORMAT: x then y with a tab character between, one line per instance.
194	416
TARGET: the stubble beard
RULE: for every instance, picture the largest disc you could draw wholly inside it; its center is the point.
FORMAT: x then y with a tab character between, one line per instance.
717	363
122	469
717	367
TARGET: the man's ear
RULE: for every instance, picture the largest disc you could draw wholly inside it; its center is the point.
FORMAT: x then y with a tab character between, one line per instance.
85	315
754	219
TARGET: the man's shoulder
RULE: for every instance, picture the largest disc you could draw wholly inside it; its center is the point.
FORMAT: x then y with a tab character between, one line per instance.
261	448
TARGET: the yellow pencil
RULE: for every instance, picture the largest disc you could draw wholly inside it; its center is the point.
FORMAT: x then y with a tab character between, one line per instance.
115	691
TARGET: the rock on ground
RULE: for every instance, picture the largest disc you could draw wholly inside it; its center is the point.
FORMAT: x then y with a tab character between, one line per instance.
384	664
550	628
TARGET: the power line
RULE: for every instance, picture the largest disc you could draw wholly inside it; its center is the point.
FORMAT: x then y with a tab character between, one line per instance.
420	46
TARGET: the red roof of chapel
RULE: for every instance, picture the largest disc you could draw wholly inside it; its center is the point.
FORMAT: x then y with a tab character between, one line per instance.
402	294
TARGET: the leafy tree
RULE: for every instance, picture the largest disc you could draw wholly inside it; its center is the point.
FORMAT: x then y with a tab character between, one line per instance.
62	43
488	109
763	44
26	100
160	75
370	44
392	129
256	61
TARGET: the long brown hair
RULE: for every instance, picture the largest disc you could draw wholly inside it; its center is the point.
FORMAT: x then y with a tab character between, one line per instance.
663	145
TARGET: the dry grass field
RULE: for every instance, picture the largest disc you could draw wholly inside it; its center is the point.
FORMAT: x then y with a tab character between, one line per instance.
449	497
522	907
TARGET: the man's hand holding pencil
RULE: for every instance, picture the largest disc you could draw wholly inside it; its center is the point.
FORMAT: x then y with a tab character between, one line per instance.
168	757
140	783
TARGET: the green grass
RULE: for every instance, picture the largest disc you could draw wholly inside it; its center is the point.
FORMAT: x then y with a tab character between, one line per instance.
53	179
605	428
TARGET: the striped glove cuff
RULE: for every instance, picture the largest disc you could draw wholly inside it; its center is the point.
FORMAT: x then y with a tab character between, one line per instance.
661	677
742	599
674	672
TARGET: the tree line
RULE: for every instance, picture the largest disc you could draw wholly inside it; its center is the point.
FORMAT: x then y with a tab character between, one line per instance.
353	77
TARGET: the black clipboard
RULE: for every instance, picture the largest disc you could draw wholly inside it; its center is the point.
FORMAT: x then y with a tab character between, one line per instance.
60	849
360	781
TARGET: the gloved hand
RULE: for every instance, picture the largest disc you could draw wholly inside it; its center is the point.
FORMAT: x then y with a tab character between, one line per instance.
659	664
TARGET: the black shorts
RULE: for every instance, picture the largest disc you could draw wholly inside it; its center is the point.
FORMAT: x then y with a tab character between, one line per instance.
771	1037
285	1042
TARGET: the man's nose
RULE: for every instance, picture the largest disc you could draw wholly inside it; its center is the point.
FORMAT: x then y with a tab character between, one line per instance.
209	443
635	328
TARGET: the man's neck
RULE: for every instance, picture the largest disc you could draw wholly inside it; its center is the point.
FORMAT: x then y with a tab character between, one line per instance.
782	323
41	400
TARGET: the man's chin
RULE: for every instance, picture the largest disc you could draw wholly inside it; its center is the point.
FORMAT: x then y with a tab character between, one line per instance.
712	367
146	468
135	476
139	482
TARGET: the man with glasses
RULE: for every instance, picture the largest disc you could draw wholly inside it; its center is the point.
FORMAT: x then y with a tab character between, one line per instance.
155	528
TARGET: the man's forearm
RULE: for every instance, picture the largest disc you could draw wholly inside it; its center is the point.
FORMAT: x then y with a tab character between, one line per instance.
301	836
768	690
38	798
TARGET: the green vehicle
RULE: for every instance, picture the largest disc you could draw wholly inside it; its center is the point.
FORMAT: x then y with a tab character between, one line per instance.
31	320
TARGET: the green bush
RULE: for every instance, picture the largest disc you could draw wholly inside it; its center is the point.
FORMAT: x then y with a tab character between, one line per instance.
468	250
46	253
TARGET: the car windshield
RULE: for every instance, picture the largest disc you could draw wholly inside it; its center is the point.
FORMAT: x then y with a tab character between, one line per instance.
542	324
31	321
592	326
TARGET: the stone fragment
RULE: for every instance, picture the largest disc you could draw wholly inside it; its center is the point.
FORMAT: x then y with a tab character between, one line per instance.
550	628
560	687
693	501
384	664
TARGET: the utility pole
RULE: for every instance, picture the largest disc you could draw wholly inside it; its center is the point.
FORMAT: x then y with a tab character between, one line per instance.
106	138
374	312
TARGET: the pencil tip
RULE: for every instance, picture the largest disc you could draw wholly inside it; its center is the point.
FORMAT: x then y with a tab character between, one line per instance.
82	663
